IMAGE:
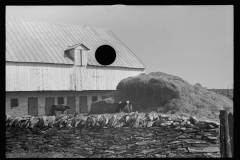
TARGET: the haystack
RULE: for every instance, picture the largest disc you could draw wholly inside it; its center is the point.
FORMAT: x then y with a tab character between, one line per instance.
103	106
170	94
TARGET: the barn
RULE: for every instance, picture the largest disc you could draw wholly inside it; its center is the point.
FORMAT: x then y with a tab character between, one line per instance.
51	63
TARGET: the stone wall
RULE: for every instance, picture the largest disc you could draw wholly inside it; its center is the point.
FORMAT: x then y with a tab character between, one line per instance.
135	135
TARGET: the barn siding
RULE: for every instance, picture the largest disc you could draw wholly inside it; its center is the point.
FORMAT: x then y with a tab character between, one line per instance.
38	77
47	77
23	100
107	78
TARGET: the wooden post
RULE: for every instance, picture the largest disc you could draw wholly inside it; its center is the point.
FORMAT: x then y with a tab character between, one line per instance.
230	124
225	138
222	140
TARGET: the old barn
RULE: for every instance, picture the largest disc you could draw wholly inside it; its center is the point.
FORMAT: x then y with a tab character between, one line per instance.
51	63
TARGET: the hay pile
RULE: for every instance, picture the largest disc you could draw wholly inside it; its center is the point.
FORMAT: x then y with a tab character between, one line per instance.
102	107
170	94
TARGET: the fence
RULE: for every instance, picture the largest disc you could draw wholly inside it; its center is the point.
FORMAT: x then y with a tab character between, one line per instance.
226	134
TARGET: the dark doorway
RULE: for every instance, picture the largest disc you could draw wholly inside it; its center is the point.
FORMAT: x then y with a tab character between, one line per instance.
71	103
33	106
83	104
94	98
49	101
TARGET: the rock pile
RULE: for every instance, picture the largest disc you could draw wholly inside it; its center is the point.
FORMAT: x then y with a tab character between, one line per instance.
123	135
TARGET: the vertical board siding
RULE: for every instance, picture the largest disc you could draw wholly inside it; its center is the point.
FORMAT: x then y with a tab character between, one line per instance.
106	78
50	77
38	77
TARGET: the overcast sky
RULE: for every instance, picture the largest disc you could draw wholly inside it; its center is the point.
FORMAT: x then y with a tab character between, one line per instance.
192	42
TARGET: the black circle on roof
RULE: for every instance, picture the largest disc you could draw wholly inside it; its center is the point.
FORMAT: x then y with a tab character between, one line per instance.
105	55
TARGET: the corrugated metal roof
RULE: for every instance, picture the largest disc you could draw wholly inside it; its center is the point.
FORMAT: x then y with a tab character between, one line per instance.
45	42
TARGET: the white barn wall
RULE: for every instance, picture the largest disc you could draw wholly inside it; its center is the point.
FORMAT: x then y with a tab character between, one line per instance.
107	78
23	100
38	77
57	77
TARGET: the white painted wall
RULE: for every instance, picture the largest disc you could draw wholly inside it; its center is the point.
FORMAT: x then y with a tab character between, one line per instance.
57	77
22	109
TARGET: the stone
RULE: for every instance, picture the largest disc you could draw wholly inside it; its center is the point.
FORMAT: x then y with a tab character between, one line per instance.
177	127
209	126
145	142
127	142
189	130
150	156
128	156
162	133
193	141
94	156
206	134
212	155
193	119
183	128
176	133
171	155
175	124
166	123
176	118
195	155
210	122
149	124
187	145
181	155
212	138
180	150
204	138
139	155
167	139
206	149
120	152
200	145
198	137
146	151
173	142
199	133
152	116
192	126
163	116
160	156
142	138
111	156
210	130
200	125
116	147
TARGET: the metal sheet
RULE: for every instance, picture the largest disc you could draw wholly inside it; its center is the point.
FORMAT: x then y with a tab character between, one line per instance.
21	39
48	40
28	42
11	52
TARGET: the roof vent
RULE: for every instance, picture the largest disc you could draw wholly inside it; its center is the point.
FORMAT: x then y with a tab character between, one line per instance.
77	53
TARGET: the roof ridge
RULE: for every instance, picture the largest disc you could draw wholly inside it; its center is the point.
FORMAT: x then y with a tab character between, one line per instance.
56	22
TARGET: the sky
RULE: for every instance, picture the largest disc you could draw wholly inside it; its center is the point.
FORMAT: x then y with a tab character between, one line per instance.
191	42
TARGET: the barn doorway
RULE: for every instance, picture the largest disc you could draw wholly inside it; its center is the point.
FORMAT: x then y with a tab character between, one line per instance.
83	104
71	103
33	106
49	101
